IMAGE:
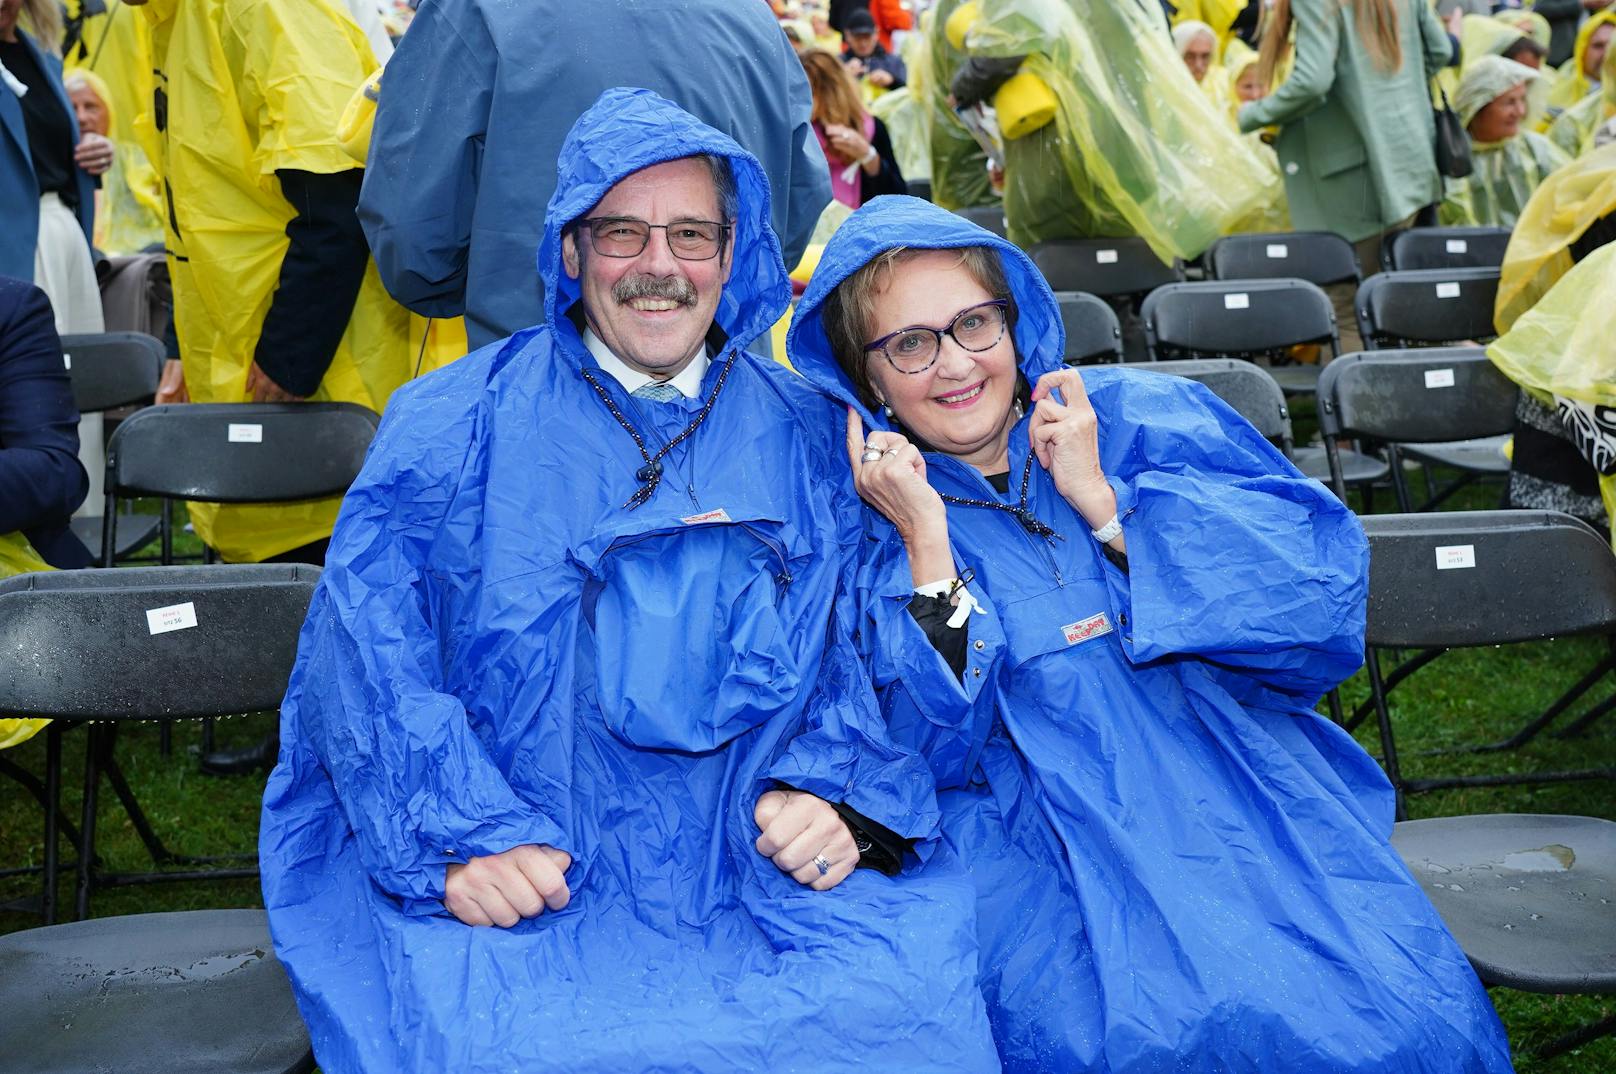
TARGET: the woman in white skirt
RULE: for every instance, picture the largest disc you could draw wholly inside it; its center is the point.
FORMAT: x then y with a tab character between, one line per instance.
47	193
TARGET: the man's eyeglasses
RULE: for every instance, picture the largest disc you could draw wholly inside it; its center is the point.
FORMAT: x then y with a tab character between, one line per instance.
625	236
914	349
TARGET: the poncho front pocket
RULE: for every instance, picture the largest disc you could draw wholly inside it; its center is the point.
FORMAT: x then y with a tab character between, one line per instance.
688	631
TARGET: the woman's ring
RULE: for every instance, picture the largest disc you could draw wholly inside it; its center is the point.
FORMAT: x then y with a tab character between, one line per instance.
871	454
892	451
821	864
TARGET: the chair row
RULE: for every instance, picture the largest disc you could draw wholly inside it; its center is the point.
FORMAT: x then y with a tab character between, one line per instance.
220	453
1129	266
1266	318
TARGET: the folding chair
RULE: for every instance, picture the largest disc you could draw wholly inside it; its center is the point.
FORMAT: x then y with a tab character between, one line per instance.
919	188
1319	257
1444	405
108	370
1245	386
1484	578
1444	248
1519	892
235	453
1093	334
1427	307
1109	268
1242	319
99	647
150	994
990	217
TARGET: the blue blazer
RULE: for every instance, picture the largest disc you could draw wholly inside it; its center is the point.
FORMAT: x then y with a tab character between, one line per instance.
41	480
19	186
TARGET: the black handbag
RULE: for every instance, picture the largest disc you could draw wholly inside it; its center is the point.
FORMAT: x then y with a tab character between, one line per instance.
1452	143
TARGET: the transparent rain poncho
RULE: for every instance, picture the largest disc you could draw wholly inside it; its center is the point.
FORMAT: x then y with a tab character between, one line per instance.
1560	348
1136	147
959	166
1559	212
17	556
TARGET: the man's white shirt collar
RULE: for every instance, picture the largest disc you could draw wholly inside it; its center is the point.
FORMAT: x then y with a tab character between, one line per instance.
688	380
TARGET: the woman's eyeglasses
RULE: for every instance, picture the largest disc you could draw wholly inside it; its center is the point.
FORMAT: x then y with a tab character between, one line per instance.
626	236
915	349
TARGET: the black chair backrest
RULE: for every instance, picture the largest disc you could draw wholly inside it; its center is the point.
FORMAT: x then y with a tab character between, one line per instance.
919	188
1110	268
1426	395
1093	333
1463	578
1236	318
1245	386
112	369
1320	257
1427	307
240	452
990	217
148	642
1444	247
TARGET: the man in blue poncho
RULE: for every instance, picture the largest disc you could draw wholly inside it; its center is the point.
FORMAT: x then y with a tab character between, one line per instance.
579	667
480	94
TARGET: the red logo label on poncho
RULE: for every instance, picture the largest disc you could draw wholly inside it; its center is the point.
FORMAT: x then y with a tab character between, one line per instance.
1084	629
718	515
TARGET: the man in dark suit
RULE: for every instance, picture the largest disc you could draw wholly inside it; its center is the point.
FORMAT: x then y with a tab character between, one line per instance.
41	479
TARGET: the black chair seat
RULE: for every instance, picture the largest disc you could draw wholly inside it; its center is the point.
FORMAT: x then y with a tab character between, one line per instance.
172	993
1296	379
1531	899
1358	468
1481	456
134	533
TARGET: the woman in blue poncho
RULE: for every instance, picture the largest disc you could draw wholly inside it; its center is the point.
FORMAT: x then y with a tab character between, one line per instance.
1179	865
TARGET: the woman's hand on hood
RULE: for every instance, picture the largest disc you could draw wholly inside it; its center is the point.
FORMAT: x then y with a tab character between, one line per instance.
895	485
1065	437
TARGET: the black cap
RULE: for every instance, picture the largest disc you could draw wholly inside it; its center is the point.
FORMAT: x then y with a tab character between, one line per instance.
859	22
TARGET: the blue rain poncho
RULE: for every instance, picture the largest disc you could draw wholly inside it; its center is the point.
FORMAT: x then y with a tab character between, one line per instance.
499	653
480	95
1180	865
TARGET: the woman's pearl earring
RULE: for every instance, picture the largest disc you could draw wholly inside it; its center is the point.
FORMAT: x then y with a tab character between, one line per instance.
886	411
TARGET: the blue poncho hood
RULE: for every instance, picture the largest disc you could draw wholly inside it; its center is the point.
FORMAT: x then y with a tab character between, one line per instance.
888	222
627	130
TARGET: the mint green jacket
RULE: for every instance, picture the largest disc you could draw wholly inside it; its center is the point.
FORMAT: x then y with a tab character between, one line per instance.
1356	145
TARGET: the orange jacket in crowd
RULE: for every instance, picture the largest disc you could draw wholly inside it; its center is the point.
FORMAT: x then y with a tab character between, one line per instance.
891	15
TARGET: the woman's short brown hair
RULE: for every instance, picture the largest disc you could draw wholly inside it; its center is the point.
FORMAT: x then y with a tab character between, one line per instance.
850	307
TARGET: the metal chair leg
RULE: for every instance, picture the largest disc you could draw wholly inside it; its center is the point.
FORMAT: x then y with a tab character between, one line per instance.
92	783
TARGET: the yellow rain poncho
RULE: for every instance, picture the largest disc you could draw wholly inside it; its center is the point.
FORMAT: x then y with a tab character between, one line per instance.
128	210
1530	24
1574	130
959	166
1565	206
434	341
17	556
1561	346
254	87
1136	148
1275	215
903	114
1506	172
1574	84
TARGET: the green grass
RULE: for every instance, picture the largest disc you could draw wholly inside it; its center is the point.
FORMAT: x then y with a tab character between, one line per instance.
1464	697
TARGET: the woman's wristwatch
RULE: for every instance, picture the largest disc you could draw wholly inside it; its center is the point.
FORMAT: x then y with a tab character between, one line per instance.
1108	532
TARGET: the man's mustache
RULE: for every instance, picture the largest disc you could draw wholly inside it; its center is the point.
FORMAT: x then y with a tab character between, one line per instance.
668	288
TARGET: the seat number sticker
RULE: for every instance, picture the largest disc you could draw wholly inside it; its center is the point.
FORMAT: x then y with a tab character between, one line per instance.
173	617
1447	290
715	515
1084	629
1457	246
1455	557
245	433
1238	301
67	360
1105	257
1277	250
1439	378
